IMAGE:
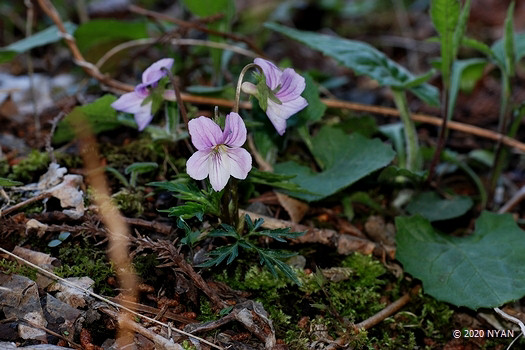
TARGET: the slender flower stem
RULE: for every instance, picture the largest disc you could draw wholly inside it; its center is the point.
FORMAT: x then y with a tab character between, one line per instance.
501	153
239	84
178	96
442	134
413	155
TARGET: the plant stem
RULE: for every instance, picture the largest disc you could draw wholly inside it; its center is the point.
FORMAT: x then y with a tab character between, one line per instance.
239	84
500	153
413	155
180	102
442	134
230	203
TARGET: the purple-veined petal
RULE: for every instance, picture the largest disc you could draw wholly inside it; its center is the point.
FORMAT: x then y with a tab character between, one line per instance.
205	134
271	72
234	134
129	103
219	168
154	73
292	86
240	162
143	116
279	113
197	165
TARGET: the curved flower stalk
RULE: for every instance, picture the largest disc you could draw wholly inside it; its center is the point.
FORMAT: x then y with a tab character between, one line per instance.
280	97
134	102
219	154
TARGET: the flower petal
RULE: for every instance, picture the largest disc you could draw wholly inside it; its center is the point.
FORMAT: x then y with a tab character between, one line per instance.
205	134
278	114
234	134
143	116
154	73
219	168
129	103
197	165
271	72
292	86
240	162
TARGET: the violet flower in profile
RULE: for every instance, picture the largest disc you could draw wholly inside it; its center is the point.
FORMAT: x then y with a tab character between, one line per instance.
283	98
133	102
219	154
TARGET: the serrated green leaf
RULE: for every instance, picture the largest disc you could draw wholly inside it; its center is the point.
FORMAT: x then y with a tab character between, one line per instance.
347	158
99	116
279	181
44	37
7	182
484	269
361	58
102	31
433	208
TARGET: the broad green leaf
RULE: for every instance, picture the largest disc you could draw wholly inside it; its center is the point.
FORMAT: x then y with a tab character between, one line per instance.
470	70
7	182
46	36
498	49
363	59
99	116
315	109
102	31
484	269
347	159
445	17
395	133
433	208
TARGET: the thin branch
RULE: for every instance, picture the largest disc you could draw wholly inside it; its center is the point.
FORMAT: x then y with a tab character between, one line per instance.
388	311
28	201
191	25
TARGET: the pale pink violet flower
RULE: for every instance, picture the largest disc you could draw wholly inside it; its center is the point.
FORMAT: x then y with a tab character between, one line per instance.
133	102
286	86
219	153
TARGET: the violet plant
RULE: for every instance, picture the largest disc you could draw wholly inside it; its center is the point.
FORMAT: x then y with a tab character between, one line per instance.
220	155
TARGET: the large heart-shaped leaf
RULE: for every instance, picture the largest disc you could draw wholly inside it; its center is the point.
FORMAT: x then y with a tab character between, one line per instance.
363	59
434	208
484	269
346	159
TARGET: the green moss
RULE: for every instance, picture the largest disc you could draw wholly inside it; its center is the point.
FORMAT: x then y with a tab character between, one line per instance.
12	267
78	261
206	312
129	202
30	168
144	265
4	168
